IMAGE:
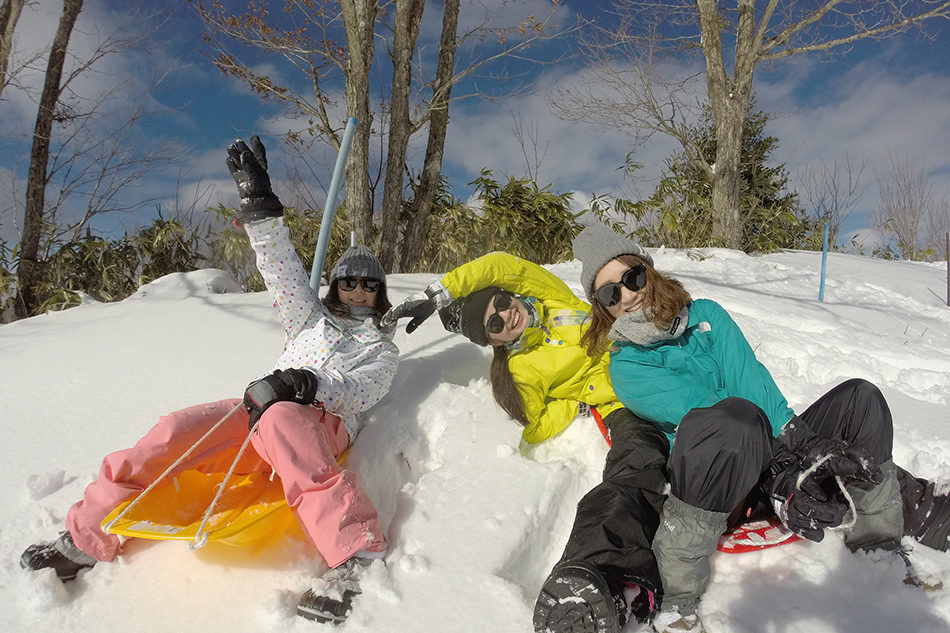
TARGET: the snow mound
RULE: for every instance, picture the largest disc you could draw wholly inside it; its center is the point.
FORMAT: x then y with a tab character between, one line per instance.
197	283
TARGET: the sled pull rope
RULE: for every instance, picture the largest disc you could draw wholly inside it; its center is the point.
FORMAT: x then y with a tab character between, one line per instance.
108	527
201	539
844	491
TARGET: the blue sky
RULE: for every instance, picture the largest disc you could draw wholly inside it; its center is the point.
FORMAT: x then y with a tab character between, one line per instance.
880	100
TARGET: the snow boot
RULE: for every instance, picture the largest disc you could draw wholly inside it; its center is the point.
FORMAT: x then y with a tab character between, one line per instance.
61	555
672	621
913	579
879	520
336	601
576	598
683	543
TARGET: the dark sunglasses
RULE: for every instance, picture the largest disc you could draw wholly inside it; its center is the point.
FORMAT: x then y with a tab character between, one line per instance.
634	279
501	302
350	283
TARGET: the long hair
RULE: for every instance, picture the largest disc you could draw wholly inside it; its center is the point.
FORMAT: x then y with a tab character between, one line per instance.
338	308
664	295
504	387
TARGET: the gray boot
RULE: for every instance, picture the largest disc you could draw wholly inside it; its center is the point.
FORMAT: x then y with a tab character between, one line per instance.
686	537
879	520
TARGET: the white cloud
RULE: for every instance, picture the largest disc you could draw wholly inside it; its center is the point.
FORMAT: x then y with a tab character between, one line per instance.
873	111
819	112
870	109
579	157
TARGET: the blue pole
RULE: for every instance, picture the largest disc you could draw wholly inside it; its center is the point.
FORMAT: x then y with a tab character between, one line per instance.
824	265
323	241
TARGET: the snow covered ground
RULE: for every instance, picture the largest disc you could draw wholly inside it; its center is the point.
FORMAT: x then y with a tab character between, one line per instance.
474	524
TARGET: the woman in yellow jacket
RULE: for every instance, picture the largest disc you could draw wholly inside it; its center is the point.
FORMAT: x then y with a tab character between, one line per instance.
542	377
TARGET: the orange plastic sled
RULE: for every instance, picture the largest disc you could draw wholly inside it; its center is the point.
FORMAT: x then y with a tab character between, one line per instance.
251	510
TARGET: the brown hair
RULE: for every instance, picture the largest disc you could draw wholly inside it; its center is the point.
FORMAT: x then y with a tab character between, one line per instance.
504	387
664	295
338	308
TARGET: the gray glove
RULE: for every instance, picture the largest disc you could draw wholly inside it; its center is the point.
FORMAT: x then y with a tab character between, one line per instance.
419	306
248	167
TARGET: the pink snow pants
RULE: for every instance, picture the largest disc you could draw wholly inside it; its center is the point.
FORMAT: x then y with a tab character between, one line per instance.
301	444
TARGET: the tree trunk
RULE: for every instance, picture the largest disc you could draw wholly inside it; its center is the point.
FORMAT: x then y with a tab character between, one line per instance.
359	19
406	32
425	194
729	99
28	268
9	14
727	217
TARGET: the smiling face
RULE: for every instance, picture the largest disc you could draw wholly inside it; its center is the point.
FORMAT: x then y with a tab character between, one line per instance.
630	300
359	296
515	319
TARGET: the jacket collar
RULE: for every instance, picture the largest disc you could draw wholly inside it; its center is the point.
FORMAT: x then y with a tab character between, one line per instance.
637	327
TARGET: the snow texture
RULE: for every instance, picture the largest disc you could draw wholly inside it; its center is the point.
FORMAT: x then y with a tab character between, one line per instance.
474	525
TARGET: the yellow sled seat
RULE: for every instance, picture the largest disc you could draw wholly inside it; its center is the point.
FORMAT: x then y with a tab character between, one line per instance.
251	510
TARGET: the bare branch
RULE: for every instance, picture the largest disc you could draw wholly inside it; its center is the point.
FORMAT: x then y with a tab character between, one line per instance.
862	30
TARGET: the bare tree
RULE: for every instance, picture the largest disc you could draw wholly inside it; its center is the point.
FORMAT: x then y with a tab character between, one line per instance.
96	168
28	273
405	35
424	194
9	15
906	198
731	42
533	149
936	227
325	54
83	156
832	191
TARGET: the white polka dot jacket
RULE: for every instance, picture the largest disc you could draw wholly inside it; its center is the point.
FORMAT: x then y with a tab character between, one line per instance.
354	360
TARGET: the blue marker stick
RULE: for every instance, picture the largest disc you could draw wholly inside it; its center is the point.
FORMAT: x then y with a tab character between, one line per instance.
323	241
824	265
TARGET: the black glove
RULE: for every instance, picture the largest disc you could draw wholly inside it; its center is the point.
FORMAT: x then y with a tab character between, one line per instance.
284	385
248	167
805	487
418	306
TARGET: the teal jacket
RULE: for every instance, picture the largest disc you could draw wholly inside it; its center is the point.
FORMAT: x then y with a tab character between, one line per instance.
709	362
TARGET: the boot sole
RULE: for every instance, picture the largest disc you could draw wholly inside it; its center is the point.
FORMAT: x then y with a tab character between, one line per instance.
576	599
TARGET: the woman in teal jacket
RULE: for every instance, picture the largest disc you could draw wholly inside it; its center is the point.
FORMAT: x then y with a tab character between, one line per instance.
685	365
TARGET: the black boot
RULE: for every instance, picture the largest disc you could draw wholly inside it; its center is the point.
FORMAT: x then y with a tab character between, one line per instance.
926	513
61	555
342	580
576	598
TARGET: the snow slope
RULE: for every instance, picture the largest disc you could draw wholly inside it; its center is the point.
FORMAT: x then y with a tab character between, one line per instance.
475	525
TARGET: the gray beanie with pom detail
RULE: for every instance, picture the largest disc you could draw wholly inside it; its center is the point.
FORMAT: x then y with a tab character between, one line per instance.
597	245
358	261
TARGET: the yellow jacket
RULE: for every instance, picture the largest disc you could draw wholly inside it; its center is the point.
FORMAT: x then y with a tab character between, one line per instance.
552	369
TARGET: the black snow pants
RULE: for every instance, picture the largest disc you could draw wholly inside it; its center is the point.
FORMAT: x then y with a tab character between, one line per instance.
854	411
721	452
616	520
926	514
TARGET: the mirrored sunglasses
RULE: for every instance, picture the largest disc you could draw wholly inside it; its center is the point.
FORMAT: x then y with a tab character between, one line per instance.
501	302
635	278
350	283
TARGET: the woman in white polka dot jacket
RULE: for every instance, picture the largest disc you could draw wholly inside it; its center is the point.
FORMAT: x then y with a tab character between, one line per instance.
336	363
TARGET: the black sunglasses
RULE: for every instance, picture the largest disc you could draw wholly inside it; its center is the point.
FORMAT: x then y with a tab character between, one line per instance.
634	279
501	302
350	283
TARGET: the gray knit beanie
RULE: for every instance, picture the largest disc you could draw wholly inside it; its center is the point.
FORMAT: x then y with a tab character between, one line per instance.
597	245
358	261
